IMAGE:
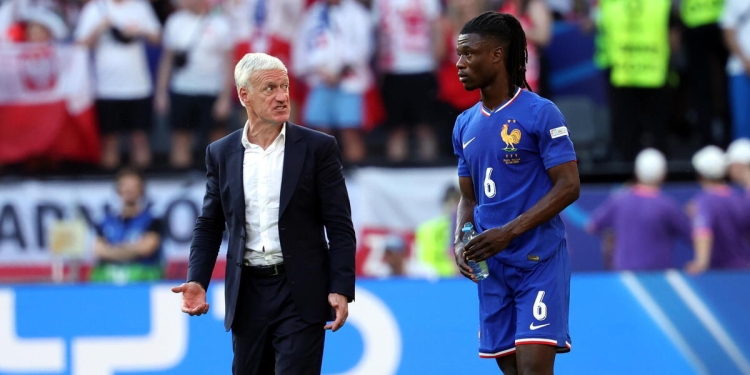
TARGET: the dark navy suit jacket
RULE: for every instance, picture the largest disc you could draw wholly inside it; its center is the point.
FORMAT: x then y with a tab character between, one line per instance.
314	202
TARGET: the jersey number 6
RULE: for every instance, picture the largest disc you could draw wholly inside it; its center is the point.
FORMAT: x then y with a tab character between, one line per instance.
540	309
489	186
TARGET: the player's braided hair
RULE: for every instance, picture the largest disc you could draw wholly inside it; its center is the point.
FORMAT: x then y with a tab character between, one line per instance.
507	30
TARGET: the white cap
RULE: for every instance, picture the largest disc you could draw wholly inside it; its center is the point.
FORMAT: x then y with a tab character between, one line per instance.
650	166
48	19
710	162
739	151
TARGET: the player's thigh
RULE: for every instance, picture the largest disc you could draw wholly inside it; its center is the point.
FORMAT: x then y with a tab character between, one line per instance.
535	359
348	110
542	304
497	312
317	113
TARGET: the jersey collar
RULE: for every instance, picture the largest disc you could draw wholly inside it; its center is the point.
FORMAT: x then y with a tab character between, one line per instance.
488	112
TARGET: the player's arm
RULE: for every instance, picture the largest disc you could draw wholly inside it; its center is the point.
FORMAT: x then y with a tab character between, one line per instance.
464	214
703	239
566	187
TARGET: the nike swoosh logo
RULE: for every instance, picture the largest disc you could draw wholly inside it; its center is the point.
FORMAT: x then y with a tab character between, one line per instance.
469	141
534	328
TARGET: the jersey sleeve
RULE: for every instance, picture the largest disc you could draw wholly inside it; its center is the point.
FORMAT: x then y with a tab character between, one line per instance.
88	21
555	146
463	167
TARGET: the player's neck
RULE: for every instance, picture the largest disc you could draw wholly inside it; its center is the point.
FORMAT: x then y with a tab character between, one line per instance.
496	94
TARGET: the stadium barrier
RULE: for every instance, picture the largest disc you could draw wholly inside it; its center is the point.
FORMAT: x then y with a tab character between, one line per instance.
621	323
384	202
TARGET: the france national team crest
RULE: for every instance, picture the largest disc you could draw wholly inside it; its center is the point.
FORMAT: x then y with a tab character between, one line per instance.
511	138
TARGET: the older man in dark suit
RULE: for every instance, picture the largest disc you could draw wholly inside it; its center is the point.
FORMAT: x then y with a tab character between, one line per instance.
280	191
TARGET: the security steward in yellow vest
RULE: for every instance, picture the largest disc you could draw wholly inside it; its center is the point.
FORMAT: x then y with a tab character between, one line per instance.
634	44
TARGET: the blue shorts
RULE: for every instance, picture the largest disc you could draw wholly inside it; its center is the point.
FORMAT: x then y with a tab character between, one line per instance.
521	306
331	108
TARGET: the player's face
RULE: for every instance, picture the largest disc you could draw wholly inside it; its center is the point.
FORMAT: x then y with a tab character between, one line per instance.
268	99
477	60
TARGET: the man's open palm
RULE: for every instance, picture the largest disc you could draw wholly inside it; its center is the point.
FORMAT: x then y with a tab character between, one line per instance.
193	298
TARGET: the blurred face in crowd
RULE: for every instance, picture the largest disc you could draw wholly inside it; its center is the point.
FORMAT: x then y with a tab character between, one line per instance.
479	60
130	189
37	33
739	174
267	98
195	6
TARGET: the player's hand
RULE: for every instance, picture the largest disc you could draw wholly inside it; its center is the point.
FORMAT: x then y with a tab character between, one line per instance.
341	305
193	298
487	244
696	267
461	262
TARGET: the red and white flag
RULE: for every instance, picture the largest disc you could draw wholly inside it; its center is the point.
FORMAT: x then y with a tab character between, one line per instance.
46	103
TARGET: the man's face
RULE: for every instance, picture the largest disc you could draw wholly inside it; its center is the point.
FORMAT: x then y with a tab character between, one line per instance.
479	59
130	189
267	100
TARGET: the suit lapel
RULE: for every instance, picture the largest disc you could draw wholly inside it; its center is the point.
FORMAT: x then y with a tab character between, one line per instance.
235	178
294	157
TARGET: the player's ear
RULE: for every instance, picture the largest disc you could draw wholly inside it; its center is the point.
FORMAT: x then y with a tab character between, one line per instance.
498	54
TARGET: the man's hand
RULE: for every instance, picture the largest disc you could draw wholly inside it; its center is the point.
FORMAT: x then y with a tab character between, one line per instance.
487	244
193	298
341	305
461	262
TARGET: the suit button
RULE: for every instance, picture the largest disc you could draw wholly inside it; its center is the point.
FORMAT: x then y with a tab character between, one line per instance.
239	264
282	228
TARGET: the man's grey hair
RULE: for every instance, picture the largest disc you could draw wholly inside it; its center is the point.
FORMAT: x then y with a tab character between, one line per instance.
252	63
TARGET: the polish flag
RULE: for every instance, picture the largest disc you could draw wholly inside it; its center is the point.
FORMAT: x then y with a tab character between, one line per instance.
46	103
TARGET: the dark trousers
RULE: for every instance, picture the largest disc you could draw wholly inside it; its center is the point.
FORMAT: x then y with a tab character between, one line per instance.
639	119
707	82
268	336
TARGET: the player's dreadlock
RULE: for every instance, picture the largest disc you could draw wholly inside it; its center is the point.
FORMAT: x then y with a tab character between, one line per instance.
508	31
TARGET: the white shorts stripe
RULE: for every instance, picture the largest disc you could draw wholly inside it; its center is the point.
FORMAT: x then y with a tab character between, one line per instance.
545	341
498	354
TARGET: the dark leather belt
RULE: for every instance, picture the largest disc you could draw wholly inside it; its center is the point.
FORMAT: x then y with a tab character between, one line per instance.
263	271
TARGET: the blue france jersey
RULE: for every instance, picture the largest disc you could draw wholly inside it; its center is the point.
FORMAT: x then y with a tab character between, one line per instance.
507	153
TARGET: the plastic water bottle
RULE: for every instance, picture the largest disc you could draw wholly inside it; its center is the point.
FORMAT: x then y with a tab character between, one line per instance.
480	269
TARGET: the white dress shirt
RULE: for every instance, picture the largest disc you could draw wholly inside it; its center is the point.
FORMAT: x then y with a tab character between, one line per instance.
261	180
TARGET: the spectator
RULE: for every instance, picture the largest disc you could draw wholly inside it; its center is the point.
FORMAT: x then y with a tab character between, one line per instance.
735	21
452	97
128	245
635	43
12	14
410	45
738	159
645	223
42	25
433	242
332	54
706	59
398	263
116	31
536	19
720	221
195	77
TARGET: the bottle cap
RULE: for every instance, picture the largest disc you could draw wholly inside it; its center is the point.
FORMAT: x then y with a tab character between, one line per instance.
467	227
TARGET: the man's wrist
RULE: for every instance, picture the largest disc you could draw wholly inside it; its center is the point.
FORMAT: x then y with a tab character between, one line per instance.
199	283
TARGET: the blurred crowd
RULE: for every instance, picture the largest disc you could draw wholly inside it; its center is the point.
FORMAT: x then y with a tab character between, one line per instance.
380	74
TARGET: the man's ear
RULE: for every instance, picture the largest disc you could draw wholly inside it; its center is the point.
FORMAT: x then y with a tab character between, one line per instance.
498	54
242	94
